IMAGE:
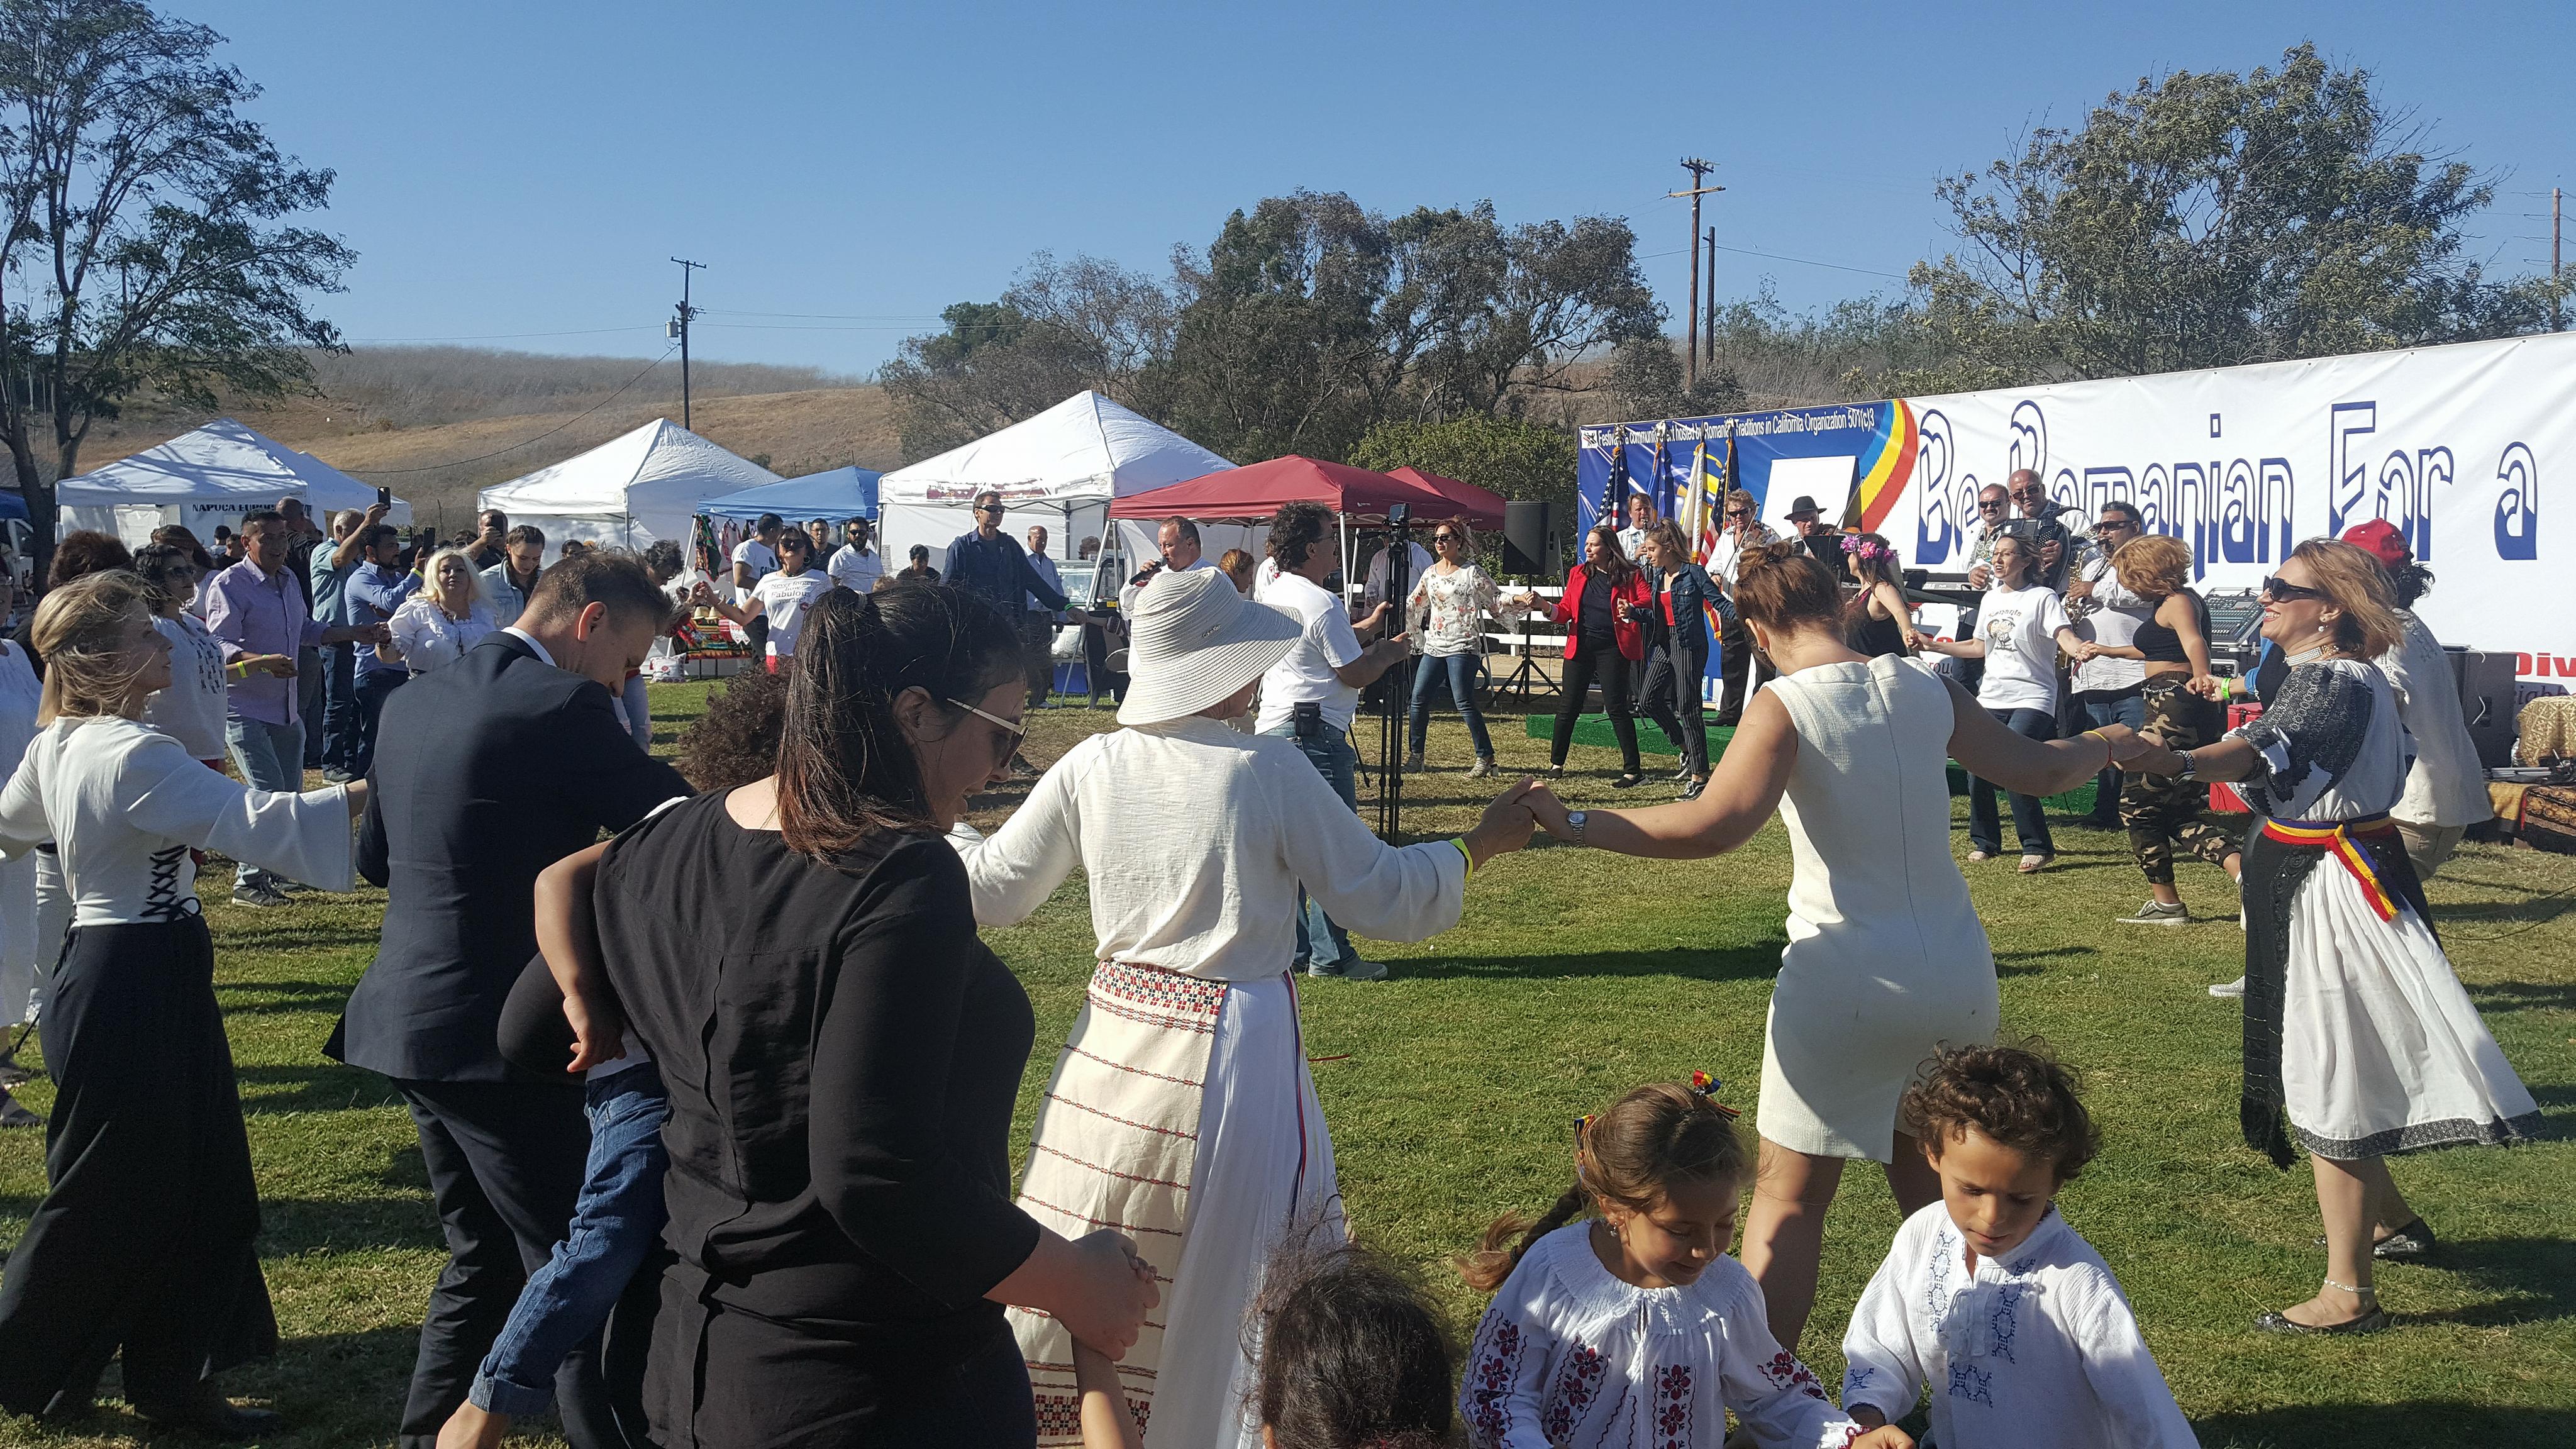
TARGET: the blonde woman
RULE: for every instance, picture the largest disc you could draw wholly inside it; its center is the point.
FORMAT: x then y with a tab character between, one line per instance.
144	1240
2179	696
2356	1029
438	624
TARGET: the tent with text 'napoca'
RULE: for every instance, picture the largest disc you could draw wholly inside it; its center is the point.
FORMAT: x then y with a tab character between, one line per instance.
207	476
1059	469
628	491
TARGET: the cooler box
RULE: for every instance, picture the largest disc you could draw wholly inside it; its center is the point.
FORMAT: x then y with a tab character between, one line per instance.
2223	798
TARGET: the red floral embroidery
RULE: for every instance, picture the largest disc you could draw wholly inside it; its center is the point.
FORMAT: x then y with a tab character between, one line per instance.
1785	1371
1671	1407
1576	1389
1489	1383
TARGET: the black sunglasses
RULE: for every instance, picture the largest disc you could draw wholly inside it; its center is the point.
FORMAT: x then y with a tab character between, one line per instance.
2275	587
1987	504
1446	538
1738	513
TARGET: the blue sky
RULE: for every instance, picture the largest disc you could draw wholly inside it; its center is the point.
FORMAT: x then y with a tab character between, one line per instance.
845	171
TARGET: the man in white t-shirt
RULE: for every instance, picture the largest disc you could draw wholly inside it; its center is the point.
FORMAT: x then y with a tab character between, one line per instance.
1641	517
755	558
1310	695
855	565
1179	539
1373	592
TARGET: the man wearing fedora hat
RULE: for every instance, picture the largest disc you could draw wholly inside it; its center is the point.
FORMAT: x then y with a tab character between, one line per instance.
1820	539
1181	1107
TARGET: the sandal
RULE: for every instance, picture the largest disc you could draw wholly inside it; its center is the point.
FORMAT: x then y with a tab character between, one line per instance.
2032	864
2410	1244
2371	1321
1981	855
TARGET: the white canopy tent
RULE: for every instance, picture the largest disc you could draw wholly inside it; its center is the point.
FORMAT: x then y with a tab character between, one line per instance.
1059	469
207	476
628	491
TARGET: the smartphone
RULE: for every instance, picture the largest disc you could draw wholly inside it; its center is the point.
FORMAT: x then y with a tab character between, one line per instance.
384	498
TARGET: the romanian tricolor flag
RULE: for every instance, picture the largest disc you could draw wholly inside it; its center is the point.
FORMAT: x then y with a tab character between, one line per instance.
1712	477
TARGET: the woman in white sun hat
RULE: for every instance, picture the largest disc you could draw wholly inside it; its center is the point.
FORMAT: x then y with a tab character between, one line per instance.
1181	1112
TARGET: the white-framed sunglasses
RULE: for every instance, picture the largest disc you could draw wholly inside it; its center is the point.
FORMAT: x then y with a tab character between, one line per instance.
1016	732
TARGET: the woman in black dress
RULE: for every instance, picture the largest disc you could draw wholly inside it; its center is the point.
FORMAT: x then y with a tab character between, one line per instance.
799	957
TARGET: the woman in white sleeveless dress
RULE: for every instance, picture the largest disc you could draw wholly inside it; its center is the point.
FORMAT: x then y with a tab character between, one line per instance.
1886	958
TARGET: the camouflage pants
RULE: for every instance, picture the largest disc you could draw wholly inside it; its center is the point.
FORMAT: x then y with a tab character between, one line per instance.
2161	812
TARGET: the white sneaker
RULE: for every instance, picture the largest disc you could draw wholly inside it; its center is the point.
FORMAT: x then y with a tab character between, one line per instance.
2157	913
1481	768
2229	989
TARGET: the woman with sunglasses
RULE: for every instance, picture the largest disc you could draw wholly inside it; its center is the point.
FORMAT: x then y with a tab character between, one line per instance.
783	598
1446	611
797	956
1604	608
2356	1028
1744	530
2020	627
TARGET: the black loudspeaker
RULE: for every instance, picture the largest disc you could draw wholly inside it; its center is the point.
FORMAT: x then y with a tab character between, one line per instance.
2487	702
1529	539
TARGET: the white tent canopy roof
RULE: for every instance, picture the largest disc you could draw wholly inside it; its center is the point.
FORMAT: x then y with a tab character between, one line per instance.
1084	445
223	465
628	491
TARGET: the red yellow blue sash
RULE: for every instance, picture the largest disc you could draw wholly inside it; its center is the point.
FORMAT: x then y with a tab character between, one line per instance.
2337	837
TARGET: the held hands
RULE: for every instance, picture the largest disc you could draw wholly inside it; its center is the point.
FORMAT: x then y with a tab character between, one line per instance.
2209	687
1506	824
1878	1433
1549	811
2126	744
1981	577
280	666
1114	1291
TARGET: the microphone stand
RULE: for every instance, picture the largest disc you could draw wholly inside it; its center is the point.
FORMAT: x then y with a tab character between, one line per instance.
1398	679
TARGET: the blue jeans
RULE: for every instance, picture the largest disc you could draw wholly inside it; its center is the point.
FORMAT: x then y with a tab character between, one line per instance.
374	687
1985	829
637	708
1461	671
1331	754
2108	709
270	757
615	1222
339	706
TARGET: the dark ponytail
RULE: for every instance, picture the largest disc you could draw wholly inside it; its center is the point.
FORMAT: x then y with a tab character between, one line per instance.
845	770
1629	1154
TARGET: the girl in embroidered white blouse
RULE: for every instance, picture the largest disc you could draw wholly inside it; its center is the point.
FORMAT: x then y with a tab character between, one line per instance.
1634	1327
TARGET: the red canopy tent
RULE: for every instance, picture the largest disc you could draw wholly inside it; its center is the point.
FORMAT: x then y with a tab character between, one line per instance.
1255	492
1480	509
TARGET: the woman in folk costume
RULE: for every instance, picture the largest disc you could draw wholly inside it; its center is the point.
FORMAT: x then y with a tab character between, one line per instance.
1181	1112
2355	1026
144	1241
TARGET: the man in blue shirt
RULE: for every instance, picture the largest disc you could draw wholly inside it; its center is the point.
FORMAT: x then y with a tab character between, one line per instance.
375	589
990	563
334	559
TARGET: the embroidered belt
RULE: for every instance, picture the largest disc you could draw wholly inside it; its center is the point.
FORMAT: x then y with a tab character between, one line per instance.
2337	837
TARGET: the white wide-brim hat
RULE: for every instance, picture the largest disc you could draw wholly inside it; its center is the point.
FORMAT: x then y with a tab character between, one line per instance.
1193	641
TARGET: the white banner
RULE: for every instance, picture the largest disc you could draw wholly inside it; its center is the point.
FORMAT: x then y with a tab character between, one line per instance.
2451	444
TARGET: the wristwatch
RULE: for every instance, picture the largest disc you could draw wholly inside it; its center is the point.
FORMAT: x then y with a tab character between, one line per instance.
2190	768
1575	818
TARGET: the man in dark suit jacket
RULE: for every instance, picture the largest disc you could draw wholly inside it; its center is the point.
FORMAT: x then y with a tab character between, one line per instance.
486	772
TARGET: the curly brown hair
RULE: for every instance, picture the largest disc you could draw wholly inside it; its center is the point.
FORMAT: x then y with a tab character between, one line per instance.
2020	1096
1349	1350
1628	1154
735	740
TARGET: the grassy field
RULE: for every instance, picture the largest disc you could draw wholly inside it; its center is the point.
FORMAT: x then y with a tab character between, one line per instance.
1574	976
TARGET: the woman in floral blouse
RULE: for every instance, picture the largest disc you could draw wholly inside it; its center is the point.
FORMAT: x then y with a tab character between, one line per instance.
1446	612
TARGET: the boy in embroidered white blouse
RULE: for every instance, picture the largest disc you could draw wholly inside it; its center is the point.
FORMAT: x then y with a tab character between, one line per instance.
1988	1297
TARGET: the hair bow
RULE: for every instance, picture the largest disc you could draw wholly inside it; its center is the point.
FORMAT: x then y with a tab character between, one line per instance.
1704	1087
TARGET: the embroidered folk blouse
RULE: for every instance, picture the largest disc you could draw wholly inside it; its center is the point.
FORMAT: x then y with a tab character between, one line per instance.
2332	745
124	802
1570	1357
1196	839
2039	1351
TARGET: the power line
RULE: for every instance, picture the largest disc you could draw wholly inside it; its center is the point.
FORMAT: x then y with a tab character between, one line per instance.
514	447
497	336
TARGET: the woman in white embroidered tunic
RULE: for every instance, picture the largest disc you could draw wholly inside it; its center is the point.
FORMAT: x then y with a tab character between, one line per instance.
438	624
144	1239
2355	1025
1181	1112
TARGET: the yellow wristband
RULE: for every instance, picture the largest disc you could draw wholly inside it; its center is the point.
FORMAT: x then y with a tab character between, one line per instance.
1465	854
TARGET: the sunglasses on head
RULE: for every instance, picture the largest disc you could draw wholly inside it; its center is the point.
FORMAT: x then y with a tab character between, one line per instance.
2275	587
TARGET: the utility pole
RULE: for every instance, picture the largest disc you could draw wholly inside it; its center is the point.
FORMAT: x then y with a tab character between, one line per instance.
1709	334
2557	320
1690	349
679	328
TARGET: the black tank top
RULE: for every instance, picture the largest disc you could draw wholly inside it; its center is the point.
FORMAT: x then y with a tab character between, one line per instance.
2164	646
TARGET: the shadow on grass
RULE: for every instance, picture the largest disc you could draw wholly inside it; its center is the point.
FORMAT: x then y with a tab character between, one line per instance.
2533	1280
282	997
2421	1421
2032	963
1746	963
2524	995
2533	911
321	1088
292	1226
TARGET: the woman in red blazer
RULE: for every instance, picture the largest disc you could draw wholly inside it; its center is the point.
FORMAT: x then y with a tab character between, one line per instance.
1603	611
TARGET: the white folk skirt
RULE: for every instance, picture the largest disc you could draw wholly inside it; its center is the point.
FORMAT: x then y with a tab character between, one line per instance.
1182	1114
2381	1049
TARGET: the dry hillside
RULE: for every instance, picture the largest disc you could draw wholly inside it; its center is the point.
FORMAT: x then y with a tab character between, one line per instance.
437	424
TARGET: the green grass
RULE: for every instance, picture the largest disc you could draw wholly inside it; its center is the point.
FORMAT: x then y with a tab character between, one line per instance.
1574	976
